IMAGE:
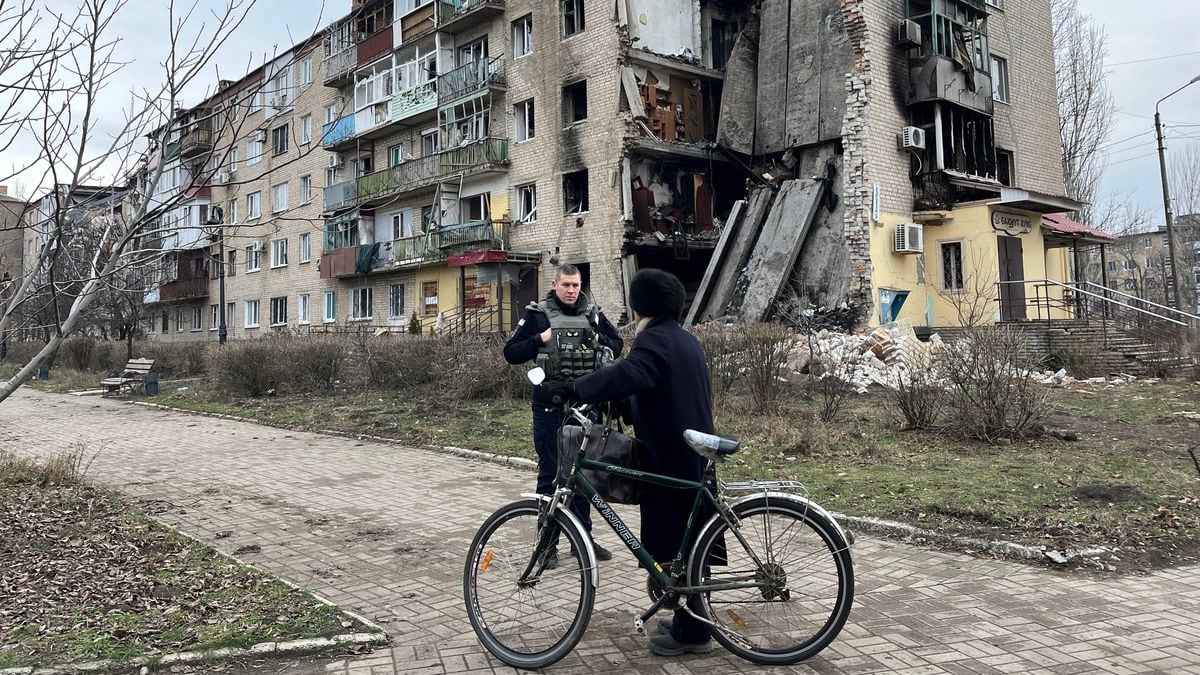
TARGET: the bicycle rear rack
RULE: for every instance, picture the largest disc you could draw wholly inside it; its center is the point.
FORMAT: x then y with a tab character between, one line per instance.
791	486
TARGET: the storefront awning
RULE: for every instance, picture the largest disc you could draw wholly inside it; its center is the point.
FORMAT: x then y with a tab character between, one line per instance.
1038	202
1060	227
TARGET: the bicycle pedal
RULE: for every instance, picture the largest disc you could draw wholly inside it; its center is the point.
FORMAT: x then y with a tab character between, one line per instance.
639	625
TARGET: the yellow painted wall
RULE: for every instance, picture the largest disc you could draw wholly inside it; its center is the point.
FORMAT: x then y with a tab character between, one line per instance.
928	304
450	290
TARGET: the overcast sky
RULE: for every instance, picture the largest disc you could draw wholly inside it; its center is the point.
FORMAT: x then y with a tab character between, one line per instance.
1136	31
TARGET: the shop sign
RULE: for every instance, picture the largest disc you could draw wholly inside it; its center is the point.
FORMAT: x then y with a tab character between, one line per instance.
1012	224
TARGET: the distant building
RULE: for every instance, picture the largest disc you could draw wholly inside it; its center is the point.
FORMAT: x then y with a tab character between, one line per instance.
1139	265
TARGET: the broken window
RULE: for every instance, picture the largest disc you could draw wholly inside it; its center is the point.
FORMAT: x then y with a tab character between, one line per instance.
575	102
952	265
527	203
467	121
1004	167
523	36
1000	90
953	29
968	142
474	208
575	192
523	118
722	35
572	17
429	298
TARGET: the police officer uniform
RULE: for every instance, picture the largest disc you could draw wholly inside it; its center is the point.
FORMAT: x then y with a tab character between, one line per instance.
581	339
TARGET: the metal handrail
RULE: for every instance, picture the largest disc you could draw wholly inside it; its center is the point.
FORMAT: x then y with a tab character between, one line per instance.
1194	317
1110	301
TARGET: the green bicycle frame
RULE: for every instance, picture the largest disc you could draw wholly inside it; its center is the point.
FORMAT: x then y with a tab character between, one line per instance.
631	541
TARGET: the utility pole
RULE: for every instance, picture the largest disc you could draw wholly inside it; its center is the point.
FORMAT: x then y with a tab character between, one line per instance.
1177	292
216	214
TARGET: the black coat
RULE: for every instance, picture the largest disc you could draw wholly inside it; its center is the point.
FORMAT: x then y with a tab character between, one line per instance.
667	378
523	345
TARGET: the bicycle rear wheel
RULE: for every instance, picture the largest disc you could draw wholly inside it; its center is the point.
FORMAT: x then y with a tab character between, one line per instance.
534	624
801	594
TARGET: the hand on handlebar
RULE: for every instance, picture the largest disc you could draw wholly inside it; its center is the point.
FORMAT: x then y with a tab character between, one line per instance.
559	392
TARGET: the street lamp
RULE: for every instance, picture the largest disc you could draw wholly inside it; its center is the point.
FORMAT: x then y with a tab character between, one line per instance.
1162	165
215	215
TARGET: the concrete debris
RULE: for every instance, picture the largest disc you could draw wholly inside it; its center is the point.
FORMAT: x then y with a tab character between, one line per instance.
1060	378
885	357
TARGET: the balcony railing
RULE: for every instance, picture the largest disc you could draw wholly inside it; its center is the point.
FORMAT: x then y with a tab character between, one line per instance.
437	246
424	171
450	11
341	196
337	131
937	78
374	46
339	263
469	78
184	289
197	140
340	64
414	101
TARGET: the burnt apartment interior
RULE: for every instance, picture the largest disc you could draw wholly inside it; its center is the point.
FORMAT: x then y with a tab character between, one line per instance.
954	158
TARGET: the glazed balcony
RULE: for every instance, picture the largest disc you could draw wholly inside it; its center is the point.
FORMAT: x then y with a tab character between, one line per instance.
418	23
375	46
197	141
340	65
337	132
183	289
341	196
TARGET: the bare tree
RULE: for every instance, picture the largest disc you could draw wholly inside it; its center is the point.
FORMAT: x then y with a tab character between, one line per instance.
58	69
1086	105
1185	179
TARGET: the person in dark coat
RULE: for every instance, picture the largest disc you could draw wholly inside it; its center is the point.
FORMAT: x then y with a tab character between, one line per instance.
666	376
564	310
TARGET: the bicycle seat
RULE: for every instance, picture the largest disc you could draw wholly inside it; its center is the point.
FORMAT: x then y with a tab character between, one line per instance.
711	446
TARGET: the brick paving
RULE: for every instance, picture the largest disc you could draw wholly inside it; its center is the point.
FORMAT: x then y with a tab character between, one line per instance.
382	530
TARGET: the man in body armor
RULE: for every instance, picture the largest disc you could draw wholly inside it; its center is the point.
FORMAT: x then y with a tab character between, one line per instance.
568	337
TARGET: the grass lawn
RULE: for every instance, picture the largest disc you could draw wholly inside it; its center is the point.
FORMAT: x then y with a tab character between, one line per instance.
83	576
1126	482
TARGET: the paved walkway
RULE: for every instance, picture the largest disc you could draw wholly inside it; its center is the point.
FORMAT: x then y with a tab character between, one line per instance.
382	530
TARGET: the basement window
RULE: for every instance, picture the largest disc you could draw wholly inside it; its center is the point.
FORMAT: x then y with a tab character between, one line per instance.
575	192
574	100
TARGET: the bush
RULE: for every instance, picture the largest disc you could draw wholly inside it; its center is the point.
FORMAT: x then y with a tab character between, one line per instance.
918	399
77	353
108	356
313	362
248	367
767	347
990	388
721	344
176	359
475	369
23	352
398	362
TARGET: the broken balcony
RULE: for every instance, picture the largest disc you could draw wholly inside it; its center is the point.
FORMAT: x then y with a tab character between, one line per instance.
461	15
948	54
471	78
471	158
937	78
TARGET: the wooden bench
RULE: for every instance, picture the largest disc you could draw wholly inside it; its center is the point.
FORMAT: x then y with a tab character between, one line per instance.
130	379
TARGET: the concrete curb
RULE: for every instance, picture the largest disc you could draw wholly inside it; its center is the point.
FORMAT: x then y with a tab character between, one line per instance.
377	636
889	528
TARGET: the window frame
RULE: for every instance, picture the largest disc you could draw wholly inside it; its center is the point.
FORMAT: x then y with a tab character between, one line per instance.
254	205
304	248
330	308
522	35
254	258
437	143
585	203
280	140
306	71
524	216
1001	82
303	308
197	319
278	303
306	129
256	305
524	120
396	291
425	305
570	104
578	23
357	296
277	207
306	189
279	253
942	271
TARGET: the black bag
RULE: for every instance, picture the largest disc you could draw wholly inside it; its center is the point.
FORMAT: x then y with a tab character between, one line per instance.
611	447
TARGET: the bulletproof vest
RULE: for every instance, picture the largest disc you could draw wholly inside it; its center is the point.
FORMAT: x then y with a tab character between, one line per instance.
571	351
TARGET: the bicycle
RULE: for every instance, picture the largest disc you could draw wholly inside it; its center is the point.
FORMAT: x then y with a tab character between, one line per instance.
510	563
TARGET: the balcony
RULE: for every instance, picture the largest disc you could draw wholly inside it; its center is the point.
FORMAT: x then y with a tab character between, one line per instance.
417	23
340	65
469	79
422	172
415	101
197	141
937	78
438	246
460	15
183	289
338	131
341	196
339	263
374	46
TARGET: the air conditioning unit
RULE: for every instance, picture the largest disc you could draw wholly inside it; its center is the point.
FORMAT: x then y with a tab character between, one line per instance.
908	34
261	136
335	159
910	238
912	138
221	178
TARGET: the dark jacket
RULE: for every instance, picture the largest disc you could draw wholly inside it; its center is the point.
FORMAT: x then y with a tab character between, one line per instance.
523	345
667	377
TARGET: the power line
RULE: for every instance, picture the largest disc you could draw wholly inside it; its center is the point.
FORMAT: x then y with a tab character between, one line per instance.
1149	154
1155	58
1125	140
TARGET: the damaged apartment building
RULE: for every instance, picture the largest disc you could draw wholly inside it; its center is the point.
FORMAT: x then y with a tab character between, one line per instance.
437	158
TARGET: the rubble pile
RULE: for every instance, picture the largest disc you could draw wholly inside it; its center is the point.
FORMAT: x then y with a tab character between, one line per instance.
1060	378
884	357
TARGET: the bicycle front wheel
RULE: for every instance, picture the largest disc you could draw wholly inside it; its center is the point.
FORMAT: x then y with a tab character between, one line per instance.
533	622
793	602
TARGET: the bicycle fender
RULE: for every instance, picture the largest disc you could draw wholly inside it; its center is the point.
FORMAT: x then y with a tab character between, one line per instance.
802	502
575	522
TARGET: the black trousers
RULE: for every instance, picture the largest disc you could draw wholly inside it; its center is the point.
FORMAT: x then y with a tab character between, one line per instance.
546	422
